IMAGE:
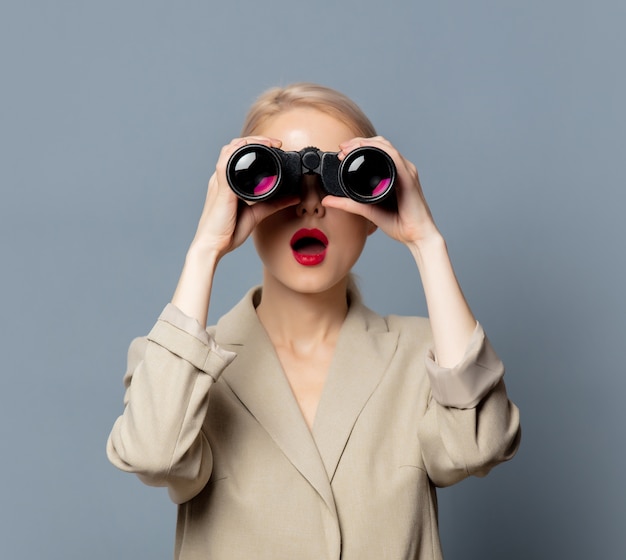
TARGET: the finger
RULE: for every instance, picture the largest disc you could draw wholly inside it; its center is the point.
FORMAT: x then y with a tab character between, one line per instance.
250	215
262	210
237	143
375	141
348	205
265	140
346	147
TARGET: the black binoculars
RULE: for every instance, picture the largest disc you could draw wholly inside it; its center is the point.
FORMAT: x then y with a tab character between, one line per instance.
256	172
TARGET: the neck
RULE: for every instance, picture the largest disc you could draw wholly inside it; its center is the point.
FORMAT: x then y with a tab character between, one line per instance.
294	318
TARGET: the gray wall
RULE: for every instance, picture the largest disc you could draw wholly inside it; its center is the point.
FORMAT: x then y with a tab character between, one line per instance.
111	117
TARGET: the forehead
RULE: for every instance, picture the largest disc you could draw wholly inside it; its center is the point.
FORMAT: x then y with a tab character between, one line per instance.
301	127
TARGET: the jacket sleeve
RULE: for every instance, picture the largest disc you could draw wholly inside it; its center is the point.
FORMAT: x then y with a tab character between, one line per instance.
470	425
159	435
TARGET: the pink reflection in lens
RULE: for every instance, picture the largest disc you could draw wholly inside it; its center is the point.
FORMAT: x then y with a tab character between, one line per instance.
381	187
265	185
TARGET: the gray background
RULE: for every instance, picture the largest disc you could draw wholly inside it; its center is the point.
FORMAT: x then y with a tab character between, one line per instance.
111	118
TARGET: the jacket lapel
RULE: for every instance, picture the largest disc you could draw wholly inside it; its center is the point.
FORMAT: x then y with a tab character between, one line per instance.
364	349
257	378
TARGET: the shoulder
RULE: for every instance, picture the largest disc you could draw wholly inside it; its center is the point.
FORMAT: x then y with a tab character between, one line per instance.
408	324
405	324
411	326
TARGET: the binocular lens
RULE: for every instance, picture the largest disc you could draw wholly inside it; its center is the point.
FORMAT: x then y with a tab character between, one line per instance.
367	174
254	172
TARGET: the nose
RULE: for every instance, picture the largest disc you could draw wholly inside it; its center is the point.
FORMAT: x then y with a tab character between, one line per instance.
312	194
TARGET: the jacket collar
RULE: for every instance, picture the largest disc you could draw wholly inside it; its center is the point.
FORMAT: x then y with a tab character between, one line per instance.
363	352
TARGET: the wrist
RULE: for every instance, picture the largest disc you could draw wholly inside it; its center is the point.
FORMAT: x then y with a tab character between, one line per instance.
425	248
193	292
202	256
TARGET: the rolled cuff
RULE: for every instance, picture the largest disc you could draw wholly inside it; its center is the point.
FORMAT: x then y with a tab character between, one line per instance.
466	384
184	337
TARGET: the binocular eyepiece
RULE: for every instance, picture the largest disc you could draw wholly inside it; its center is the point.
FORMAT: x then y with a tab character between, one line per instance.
256	172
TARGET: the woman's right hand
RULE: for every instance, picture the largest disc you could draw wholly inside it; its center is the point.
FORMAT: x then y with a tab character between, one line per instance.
225	223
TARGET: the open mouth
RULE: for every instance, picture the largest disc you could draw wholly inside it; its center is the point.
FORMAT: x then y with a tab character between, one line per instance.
309	246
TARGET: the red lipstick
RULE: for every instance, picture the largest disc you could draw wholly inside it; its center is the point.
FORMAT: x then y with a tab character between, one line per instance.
309	246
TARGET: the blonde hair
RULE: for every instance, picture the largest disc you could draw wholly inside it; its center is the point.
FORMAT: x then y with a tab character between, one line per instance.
305	94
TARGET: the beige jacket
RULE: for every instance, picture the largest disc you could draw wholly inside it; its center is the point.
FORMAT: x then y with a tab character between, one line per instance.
212	417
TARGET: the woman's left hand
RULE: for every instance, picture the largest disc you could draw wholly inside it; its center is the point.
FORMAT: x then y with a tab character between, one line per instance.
412	223
451	319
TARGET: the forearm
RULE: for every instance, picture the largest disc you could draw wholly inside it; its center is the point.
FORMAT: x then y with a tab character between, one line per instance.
451	318
461	442
159	435
193	292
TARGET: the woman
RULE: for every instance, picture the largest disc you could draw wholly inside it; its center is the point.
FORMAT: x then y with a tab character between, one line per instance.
303	425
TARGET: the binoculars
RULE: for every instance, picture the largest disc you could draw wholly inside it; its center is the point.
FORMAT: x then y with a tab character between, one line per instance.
256	172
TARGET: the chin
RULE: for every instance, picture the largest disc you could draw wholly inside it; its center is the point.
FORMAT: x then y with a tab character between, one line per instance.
312	287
